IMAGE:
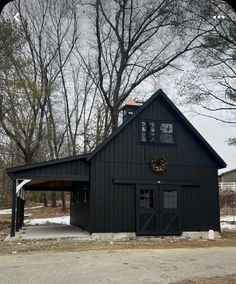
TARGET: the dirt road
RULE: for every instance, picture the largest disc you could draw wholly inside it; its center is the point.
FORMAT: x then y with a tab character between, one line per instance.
117	266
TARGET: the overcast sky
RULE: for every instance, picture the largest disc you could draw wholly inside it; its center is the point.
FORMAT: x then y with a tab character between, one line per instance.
216	134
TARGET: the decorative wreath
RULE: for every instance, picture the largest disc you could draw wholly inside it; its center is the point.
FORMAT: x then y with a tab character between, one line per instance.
158	164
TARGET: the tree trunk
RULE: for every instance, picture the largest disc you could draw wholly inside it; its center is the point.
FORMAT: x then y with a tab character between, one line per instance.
43	199
54	199
114	117
63	201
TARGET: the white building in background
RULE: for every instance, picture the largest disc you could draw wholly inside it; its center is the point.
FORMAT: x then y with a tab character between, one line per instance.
227	181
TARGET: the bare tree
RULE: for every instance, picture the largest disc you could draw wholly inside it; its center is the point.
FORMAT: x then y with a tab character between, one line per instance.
49	30
135	40
21	100
211	85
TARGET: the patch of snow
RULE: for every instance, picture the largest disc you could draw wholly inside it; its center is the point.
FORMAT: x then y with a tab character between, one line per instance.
5	212
8	211
228	223
228	227
56	220
35	207
228	218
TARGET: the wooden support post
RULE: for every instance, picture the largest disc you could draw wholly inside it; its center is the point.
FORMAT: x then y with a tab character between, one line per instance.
22	208
22	212
13	215
23	216
18	213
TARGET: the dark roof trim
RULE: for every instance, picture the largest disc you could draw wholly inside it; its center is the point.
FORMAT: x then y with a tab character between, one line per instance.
53	177
221	163
144	181
46	163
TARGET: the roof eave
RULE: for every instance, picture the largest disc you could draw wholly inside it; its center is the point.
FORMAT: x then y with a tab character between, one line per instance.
12	170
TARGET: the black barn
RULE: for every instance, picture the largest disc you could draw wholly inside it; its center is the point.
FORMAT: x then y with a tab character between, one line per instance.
155	175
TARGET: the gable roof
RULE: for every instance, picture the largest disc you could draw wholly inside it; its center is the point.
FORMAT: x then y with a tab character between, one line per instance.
160	94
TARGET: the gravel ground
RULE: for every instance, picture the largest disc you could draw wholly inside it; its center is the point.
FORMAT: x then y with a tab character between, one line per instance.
30	246
120	266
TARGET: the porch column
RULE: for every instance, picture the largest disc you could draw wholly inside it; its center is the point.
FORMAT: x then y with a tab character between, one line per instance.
20	210
22	207
22	213
20	203
18	213
13	214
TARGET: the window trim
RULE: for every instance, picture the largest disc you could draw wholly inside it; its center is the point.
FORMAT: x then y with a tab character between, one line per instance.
140	132
157	132
146	199
171	201
174	132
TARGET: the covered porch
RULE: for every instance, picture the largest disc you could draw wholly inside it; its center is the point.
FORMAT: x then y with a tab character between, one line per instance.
67	175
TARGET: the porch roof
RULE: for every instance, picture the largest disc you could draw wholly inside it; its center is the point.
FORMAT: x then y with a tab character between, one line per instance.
71	168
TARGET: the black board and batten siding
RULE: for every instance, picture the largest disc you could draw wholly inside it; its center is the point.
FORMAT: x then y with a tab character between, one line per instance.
124	163
79	206
110	185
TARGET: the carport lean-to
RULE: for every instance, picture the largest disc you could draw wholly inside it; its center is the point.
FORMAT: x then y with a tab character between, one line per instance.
67	174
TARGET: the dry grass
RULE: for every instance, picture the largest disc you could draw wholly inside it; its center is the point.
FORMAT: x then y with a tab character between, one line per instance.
31	246
5	224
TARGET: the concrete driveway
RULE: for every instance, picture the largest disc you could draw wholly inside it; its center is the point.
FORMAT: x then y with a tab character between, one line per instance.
126	266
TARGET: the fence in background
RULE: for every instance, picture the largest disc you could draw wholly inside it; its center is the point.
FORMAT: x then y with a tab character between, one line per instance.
227	186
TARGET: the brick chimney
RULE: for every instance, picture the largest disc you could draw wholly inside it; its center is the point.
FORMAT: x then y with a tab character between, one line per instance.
130	108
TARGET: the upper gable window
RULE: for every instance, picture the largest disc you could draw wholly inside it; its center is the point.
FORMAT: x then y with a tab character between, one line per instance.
166	133
148	131
156	132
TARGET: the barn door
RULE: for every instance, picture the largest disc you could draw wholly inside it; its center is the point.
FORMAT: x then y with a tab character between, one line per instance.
146	219
157	210
170	211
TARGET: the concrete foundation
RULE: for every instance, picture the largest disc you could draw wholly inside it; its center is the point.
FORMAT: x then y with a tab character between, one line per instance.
59	231
198	235
127	236
113	236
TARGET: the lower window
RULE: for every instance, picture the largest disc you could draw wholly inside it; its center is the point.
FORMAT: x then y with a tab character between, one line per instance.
146	198
170	199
